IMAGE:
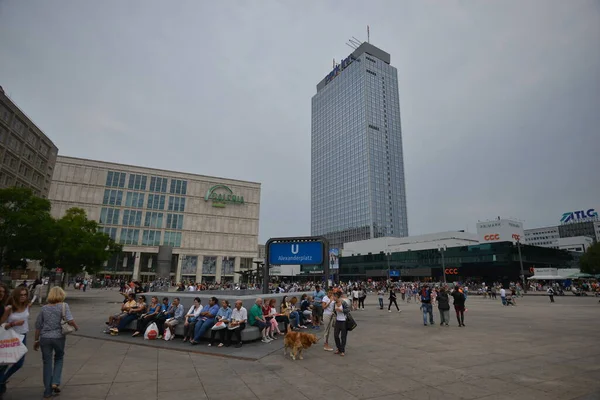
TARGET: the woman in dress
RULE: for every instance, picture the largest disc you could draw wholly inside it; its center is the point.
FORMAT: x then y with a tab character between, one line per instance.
49	337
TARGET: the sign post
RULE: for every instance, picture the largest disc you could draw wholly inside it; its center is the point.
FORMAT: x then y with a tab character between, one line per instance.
304	250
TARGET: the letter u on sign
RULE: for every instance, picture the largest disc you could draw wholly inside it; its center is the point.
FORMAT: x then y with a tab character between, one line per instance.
295	248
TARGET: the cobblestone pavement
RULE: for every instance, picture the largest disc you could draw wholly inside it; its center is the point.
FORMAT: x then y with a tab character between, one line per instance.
536	350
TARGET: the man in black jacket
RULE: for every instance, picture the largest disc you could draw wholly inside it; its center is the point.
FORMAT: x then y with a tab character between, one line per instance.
444	306
459	304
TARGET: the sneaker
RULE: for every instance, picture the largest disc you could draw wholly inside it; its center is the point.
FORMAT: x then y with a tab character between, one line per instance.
389	310
210	345
265	340
399	310
327	348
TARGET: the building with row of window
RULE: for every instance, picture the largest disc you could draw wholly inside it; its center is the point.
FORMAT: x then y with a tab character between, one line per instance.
575	230
210	223
27	155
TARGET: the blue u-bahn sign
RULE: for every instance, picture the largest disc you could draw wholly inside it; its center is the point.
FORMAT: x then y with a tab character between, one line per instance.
296	253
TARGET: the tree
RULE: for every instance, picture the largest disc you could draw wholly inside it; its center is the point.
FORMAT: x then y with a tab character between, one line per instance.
24	222
77	245
590	260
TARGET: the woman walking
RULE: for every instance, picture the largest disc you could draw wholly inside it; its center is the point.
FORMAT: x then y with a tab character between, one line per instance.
459	305
18	321
340	333
49	337
392	299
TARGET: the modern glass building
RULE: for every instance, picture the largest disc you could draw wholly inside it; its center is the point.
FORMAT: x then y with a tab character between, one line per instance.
357	167
486	262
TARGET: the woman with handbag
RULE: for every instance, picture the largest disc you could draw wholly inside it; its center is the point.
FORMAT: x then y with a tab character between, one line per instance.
17	320
190	319
53	323
146	319
340	333
223	315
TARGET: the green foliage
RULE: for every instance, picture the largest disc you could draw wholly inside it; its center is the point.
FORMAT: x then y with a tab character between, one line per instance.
590	261
27	230
24	222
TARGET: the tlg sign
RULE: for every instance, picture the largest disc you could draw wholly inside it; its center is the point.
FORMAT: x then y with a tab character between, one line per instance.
573	216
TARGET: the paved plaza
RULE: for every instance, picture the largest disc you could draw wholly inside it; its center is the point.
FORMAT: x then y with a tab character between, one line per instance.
536	350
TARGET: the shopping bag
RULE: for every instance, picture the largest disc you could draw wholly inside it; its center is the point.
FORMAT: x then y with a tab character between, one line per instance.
167	334
12	348
151	332
219	325
350	322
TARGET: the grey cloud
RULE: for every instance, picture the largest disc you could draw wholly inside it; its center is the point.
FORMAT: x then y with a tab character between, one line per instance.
499	100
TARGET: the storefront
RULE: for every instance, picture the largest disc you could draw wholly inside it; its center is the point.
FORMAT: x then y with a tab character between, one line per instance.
484	262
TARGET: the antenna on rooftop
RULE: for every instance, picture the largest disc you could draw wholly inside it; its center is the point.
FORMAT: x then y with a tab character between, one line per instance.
368	35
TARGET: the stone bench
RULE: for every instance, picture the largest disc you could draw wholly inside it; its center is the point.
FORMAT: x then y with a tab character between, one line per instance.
249	334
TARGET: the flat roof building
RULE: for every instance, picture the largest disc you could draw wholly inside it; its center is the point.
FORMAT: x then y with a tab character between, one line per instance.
27	155
210	223
357	163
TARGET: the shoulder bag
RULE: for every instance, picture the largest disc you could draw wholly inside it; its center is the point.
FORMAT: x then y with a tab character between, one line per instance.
66	328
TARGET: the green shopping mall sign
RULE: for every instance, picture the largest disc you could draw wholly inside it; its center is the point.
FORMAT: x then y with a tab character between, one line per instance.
220	195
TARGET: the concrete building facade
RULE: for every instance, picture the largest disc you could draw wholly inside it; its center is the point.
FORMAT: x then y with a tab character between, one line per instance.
210	223
27	155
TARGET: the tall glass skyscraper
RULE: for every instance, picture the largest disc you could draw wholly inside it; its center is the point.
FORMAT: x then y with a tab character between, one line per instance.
357	177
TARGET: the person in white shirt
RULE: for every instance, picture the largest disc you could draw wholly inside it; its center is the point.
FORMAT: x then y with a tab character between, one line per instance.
328	317
503	296
340	333
190	319
239	317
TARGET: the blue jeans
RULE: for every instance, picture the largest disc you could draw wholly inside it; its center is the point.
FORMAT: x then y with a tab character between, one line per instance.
295	316
5	374
503	300
427	309
126	320
202	325
381	303
52	373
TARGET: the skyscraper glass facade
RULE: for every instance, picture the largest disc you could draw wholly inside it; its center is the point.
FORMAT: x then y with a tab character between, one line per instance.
357	176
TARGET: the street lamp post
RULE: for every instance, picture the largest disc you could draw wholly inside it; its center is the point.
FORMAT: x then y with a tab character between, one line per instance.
521	264
388	265
442	249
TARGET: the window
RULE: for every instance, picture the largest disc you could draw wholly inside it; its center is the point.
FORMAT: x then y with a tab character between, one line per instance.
112	232
115	179
156	201
18	126
153	220
151	238
176	203
134	200
130	236
158	184
113	197
172	239
4	113
137	182
178	186
132	218
174	221
14	143
109	216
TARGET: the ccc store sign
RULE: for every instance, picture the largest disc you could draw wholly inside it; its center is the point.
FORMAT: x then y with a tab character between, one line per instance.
451	271
494	236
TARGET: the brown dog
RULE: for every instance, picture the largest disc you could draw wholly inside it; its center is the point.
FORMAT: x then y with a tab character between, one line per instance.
298	341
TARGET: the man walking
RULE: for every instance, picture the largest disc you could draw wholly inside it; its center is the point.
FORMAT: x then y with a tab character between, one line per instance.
317	310
551	294
426	305
503	296
328	304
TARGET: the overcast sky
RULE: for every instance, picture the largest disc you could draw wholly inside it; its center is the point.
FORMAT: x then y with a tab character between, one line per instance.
500	100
